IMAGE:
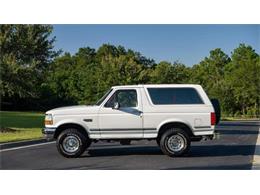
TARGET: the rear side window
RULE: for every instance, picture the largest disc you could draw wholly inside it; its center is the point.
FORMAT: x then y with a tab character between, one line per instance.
174	96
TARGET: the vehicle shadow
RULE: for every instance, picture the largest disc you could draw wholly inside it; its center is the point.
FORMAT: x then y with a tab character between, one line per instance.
123	151
195	151
222	150
215	167
241	132
223	124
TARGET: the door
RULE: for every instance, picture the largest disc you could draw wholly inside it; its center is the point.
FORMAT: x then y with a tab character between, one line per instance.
121	115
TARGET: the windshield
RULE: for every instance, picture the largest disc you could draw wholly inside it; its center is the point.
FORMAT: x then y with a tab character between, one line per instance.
104	97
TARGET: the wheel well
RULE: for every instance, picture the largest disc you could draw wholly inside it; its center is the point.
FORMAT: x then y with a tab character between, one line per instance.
70	125
183	126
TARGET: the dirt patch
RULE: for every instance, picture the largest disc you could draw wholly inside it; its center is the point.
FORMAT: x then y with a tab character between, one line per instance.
7	130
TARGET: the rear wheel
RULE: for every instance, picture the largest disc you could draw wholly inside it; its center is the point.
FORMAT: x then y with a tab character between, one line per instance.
72	143
158	142
175	142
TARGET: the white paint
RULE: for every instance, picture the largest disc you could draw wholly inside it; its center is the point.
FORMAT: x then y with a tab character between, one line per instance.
256	158
145	115
29	146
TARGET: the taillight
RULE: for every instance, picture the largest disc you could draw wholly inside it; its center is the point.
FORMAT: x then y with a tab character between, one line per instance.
213	118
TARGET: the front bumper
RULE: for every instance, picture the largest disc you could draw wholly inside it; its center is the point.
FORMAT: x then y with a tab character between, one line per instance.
48	133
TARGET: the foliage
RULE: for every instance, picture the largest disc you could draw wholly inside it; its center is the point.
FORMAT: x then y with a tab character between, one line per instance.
26	51
34	76
85	76
243	78
165	72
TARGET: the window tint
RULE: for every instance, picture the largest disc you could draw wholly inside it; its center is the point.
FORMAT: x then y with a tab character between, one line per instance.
174	96
125	98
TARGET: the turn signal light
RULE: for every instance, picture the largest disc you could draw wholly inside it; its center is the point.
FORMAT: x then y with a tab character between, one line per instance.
48	122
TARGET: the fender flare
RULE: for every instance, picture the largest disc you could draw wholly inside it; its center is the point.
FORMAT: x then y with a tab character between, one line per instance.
73	122
174	120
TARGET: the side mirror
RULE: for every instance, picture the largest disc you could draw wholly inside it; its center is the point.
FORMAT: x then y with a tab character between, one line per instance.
116	106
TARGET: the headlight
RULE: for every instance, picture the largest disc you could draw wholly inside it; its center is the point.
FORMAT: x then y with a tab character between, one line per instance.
48	119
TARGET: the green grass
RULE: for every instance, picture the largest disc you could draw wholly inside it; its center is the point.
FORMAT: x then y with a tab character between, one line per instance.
238	118
27	124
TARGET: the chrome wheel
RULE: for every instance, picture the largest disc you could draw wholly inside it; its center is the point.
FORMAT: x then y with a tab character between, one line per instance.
71	144
176	143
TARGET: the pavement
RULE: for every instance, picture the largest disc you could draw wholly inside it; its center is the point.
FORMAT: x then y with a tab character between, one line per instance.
238	148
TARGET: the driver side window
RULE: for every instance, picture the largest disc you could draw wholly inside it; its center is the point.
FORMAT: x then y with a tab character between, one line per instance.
125	98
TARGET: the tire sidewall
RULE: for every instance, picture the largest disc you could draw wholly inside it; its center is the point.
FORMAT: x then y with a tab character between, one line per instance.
78	135
164	142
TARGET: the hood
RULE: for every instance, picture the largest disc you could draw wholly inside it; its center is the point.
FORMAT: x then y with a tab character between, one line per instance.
71	110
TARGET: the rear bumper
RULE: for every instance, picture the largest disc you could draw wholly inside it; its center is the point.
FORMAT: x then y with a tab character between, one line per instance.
214	136
48	133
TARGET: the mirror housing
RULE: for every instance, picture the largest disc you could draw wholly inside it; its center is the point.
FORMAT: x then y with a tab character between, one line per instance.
116	106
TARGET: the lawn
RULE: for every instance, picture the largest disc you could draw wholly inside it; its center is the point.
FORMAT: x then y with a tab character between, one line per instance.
27	125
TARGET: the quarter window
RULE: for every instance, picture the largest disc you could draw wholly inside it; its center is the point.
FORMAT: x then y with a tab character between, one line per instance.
174	96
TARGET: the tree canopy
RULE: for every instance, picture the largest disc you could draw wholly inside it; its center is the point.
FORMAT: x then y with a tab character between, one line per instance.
36	77
25	53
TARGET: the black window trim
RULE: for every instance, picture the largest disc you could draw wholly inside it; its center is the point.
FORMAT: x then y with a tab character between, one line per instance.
107	94
104	105
151	101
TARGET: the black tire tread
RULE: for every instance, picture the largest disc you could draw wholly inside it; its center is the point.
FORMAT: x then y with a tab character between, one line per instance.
85	143
172	131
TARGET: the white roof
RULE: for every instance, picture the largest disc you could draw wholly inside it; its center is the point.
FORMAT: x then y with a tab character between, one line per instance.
156	85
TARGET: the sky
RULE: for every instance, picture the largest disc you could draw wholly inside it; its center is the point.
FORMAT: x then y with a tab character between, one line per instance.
188	44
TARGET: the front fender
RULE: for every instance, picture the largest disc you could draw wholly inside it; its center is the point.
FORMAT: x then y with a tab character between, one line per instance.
74	121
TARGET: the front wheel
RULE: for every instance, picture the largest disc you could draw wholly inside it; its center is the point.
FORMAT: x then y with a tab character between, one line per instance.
71	143
175	142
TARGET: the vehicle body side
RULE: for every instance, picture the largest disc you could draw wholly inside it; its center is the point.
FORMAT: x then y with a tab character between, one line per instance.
141	122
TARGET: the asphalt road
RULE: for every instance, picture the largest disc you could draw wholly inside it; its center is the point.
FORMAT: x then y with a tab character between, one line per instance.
234	150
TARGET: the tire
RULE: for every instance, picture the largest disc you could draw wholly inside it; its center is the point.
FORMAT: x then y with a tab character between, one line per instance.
158	142
125	142
71	143
167	142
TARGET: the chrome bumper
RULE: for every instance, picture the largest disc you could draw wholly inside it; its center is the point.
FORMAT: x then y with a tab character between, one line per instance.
48	133
216	135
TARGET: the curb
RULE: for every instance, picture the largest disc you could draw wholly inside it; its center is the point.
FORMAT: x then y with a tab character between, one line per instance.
22	143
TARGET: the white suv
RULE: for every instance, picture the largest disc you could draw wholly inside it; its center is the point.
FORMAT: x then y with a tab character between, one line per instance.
173	115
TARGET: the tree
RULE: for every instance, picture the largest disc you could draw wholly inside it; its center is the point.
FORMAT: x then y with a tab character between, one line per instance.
210	71
243	76
33	74
120	67
166	72
25	53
